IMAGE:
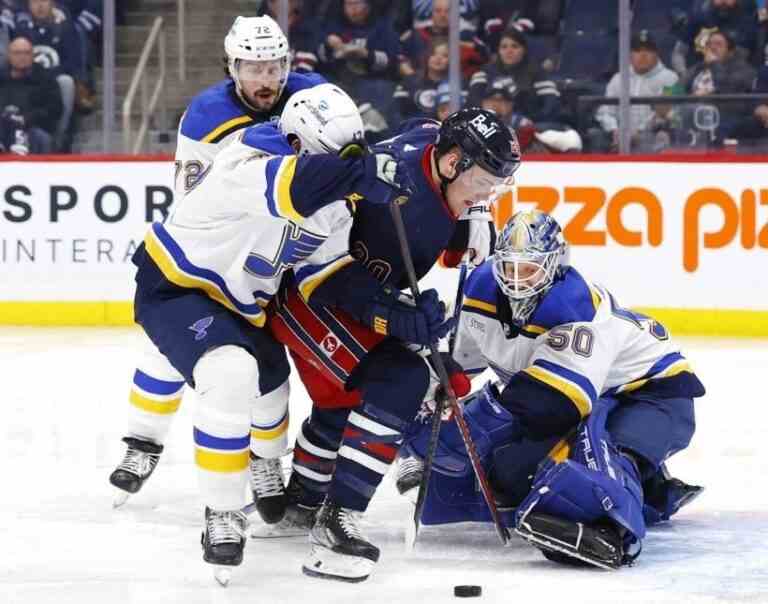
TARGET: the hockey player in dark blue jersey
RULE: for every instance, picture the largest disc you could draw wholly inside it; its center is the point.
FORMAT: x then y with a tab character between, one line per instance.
348	327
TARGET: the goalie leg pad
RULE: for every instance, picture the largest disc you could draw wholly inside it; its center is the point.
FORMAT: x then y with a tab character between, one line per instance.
490	425
588	480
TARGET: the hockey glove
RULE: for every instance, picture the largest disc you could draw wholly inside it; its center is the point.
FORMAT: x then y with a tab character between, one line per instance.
474	238
388	178
422	321
460	383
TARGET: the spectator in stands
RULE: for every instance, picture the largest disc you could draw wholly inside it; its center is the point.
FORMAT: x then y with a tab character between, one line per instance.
648	76
361	53
753	129
443	102
58	49
502	98
717	15
723	70
537	94
497	16
416	95
303	32
29	97
416	42
415	13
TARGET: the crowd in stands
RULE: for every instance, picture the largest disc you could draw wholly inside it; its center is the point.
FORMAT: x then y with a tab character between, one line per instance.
529	60
48	50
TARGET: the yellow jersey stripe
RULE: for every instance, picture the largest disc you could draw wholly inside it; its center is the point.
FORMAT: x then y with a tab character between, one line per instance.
283	190
174	274
159	407
675	368
270	434
573	391
237	121
535	329
596	299
310	284
221	462
474	303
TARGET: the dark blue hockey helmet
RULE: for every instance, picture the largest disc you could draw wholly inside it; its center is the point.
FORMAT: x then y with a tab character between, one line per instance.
483	140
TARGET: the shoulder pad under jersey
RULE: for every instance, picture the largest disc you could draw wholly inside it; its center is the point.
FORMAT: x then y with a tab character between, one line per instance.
571	300
480	292
300	81
214	114
267	137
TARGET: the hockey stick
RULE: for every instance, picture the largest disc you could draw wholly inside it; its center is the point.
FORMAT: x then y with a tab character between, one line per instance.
457	305
458	410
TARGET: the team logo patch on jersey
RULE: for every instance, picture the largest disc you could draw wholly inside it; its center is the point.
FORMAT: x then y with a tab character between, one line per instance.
200	327
330	344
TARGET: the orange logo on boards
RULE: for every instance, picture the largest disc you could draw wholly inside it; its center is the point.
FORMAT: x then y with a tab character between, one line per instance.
739	219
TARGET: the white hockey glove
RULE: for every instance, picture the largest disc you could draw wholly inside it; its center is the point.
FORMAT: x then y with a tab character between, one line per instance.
482	233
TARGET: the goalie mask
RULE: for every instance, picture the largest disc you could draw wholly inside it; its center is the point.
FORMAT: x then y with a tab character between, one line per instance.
324	119
531	254
257	60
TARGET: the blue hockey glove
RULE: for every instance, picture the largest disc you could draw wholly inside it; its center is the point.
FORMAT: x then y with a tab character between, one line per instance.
422	321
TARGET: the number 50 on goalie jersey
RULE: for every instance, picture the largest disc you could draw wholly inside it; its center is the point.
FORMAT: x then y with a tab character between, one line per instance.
580	344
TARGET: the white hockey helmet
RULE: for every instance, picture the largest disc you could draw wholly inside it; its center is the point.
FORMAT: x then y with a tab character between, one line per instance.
324	118
255	40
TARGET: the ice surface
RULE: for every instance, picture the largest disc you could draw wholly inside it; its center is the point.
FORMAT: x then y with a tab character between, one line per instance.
61	420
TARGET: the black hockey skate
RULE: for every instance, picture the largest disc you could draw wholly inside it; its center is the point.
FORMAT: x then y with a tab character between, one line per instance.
574	543
223	541
409	473
339	549
268	488
299	517
137	466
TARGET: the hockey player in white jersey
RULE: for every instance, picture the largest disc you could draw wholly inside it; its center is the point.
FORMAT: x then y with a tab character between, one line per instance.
600	393
256	91
206	274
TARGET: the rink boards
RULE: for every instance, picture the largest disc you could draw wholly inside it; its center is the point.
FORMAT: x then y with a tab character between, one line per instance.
685	239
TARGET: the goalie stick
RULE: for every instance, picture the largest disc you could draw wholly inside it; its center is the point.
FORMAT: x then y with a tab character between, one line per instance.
458	410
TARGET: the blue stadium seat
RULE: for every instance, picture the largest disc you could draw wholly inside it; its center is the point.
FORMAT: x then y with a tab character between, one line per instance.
586	56
657	14
541	48
594	16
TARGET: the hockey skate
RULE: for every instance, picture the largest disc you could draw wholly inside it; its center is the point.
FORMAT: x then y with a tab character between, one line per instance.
268	488
339	549
409	473
298	520
137	466
223	541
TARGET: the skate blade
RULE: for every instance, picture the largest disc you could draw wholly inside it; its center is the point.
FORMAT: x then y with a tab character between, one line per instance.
120	498
275	531
409	537
324	563
222	574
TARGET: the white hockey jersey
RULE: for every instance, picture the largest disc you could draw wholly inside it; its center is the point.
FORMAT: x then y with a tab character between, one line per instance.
214	118
237	230
580	341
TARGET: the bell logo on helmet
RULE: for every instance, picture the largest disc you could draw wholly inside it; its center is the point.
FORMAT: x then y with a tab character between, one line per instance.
486	130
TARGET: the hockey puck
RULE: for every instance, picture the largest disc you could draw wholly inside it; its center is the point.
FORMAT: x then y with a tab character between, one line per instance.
467	591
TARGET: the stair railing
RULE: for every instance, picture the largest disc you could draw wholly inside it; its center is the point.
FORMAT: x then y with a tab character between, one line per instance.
131	144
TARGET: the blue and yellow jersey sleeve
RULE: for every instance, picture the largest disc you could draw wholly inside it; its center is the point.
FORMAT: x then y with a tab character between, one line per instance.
214	114
480	295
571	300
